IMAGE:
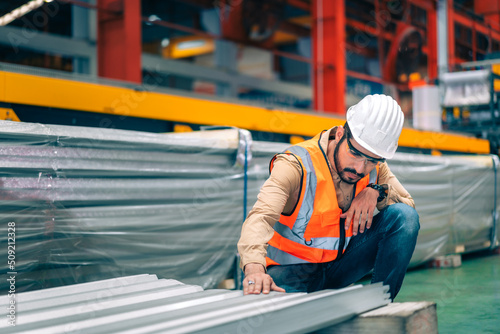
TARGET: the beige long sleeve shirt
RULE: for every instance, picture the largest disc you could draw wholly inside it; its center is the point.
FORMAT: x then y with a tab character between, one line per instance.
280	193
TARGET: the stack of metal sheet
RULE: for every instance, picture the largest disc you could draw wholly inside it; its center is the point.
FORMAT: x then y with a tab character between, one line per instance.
94	203
455	197
145	304
91	204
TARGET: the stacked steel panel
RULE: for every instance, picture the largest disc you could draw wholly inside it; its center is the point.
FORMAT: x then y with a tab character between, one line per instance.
96	203
92	203
455	198
145	304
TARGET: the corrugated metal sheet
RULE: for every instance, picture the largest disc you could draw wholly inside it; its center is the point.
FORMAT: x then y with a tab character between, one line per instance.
145	304
92	203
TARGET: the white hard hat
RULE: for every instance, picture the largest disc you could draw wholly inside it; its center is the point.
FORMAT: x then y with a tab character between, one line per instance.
376	123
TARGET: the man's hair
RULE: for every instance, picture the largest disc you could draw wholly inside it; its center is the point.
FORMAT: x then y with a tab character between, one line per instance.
347	130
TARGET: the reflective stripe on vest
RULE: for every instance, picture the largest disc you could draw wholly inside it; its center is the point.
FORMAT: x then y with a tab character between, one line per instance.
311	233
282	257
307	205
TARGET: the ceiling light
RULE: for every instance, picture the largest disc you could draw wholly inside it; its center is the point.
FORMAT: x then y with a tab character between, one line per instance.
152	18
191	44
165	42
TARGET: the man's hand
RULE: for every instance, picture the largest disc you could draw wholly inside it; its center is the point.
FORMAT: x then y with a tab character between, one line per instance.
361	210
256	273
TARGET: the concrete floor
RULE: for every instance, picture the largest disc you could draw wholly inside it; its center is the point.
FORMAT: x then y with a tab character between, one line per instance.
468	297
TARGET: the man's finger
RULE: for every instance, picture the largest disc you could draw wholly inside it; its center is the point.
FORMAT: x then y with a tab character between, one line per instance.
245	286
249	287
355	223
362	223
354	227
274	287
257	287
266	287
348	218
370	219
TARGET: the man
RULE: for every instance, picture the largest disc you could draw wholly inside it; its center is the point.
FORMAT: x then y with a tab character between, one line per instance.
313	227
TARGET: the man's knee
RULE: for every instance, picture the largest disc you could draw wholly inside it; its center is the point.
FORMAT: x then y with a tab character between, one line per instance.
404	216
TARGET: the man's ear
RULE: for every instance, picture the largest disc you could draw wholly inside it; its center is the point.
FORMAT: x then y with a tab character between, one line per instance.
339	133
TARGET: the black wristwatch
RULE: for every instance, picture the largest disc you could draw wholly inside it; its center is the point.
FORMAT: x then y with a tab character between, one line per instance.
381	191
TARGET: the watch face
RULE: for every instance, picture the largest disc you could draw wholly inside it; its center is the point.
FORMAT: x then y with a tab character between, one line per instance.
380	189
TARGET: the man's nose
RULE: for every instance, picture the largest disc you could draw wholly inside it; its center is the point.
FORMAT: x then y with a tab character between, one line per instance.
359	166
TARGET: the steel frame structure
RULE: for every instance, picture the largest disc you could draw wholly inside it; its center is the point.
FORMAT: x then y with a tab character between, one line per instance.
327	32
329	47
457	18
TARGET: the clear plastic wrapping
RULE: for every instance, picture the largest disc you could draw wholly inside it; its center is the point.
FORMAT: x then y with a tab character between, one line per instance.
92	204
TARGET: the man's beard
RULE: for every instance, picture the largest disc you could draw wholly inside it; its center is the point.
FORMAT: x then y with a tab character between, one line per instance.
343	171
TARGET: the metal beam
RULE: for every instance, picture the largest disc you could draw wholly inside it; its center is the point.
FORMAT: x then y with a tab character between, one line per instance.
81	48
480	27
180	27
487	62
301	4
204	4
369	29
162	65
294	29
26	38
74	95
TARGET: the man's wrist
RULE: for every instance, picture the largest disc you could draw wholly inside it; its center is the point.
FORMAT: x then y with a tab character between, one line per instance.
374	192
252	268
382	192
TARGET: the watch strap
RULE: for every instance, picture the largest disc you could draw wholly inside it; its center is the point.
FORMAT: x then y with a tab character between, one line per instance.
381	191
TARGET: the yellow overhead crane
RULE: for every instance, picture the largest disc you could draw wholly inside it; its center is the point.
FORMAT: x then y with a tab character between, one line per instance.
32	90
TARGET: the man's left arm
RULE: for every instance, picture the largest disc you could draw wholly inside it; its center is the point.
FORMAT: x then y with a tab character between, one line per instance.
396	193
363	206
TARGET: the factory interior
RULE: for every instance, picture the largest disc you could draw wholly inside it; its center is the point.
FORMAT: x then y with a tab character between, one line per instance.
136	136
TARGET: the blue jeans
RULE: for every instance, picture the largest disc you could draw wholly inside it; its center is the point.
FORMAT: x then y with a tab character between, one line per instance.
386	248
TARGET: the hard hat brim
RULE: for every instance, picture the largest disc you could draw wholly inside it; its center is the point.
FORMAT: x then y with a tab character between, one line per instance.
385	155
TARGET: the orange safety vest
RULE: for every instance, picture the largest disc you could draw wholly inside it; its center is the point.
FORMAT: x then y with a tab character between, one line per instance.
312	233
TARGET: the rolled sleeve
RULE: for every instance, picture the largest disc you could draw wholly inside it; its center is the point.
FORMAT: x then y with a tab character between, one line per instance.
278	193
396	193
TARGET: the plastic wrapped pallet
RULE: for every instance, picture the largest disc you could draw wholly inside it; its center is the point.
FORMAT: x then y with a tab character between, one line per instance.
97	203
92	203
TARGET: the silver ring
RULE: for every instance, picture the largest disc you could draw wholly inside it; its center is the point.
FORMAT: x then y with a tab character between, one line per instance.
250	282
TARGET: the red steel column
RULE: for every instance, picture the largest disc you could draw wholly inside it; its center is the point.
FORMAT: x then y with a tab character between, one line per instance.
119	40
451	35
329	63
432	47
